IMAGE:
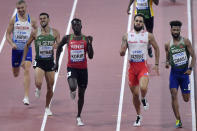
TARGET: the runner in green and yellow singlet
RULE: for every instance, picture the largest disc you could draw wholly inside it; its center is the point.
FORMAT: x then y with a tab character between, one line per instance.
178	52
45	39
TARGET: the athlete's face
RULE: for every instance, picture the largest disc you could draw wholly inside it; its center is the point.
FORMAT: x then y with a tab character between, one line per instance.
76	26
175	31
21	9
44	20
138	23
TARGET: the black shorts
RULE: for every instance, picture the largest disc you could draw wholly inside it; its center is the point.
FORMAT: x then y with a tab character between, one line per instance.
80	74
149	23
46	65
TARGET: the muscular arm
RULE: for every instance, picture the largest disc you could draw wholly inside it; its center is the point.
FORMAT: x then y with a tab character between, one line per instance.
8	33
130	3
89	47
156	2
31	38
57	38
34	24
167	54
124	45
191	52
153	42
59	48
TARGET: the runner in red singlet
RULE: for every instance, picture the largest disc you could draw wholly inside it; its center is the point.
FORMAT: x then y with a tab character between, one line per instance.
137	41
77	73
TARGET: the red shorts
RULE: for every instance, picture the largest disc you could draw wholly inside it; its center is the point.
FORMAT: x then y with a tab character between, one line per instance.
136	71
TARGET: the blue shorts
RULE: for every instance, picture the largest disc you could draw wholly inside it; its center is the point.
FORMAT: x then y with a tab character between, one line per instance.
178	78
17	56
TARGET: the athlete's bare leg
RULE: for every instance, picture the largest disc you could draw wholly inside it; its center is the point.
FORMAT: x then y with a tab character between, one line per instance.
136	100
50	81
175	105
39	75
16	71
186	97
143	85
27	77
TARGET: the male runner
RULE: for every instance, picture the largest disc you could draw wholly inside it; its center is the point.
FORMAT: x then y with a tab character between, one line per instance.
20	26
178	52
145	7
137	41
44	38
77	73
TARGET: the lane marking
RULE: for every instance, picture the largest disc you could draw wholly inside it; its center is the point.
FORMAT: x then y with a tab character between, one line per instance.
60	60
4	37
192	74
123	75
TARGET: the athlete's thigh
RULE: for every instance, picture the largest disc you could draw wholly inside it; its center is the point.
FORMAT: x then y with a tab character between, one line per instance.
173	80
184	84
72	77
82	79
27	65
16	58
39	75
144	82
50	77
134	90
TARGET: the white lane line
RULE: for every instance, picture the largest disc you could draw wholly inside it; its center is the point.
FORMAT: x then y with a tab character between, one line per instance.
192	75
60	60
4	37
123	76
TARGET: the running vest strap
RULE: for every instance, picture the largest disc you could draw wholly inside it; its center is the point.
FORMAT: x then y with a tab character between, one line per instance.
44	45
21	32
137	45
77	53
179	55
144	7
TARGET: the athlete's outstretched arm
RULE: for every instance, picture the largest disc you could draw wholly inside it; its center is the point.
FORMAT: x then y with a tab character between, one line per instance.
59	50
89	47
130	3
167	55
124	45
156	2
8	33
191	52
153	42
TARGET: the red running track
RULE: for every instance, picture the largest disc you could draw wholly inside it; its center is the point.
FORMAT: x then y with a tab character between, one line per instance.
106	21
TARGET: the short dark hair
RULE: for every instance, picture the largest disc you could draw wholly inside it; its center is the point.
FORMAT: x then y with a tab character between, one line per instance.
43	13
139	14
20	2
175	23
75	19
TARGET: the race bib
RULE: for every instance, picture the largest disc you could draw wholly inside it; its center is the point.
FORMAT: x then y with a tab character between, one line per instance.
45	51
77	55
180	58
137	56
21	36
142	4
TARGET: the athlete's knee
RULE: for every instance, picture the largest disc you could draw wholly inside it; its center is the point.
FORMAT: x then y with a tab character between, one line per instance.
186	98
16	74
38	84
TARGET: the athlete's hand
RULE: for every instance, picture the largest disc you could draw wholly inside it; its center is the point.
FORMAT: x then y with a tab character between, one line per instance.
23	64
188	72
90	39
14	47
55	67
156	68
167	65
